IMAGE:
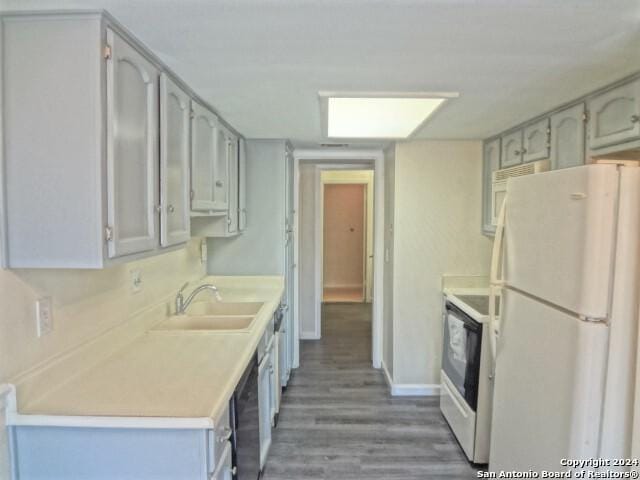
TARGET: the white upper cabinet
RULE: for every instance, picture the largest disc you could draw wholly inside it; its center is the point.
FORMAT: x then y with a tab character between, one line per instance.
175	119
615	116
132	149
232	215
511	149
536	141
491	163
204	132
221	170
567	137
242	186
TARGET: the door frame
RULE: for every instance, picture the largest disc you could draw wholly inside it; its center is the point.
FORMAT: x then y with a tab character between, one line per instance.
335	160
369	197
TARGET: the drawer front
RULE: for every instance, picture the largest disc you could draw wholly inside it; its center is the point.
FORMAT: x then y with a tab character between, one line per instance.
219	438
459	416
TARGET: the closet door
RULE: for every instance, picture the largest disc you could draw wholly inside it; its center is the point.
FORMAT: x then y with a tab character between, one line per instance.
175	112
132	150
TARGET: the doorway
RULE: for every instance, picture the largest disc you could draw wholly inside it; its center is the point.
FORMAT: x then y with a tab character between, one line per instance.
346	216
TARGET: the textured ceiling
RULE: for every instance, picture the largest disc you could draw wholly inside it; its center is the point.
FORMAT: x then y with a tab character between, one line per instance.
261	63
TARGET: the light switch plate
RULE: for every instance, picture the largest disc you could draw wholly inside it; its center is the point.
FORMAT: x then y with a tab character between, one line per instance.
136	281
44	316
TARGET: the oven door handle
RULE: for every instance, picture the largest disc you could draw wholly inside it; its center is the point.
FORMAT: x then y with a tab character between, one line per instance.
495	283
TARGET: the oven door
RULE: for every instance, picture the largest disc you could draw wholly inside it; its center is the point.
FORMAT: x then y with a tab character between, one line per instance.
461	353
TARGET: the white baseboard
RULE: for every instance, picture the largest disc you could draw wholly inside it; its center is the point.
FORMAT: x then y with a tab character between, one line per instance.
309	336
409	389
415	390
387	375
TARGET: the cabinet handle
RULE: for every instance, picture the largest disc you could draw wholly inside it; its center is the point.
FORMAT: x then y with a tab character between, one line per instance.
158	208
228	220
171	209
524	150
517	152
635	118
234	471
192	194
218	183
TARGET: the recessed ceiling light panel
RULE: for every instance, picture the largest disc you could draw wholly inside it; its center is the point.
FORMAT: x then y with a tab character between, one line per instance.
383	117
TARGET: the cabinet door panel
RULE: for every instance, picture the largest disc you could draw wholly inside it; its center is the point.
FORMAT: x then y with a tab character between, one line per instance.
491	163
232	215
242	186
615	116
536	141
221	171
175	112
511	149
203	154
132	153
567	137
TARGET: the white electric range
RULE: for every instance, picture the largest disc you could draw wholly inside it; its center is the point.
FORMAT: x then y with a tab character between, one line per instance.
467	384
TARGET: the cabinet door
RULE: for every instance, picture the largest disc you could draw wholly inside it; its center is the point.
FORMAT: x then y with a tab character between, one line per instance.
567	137
232	215
491	163
204	130
615	116
511	149
132	150
175	112
221	171
536	141
264	398
224	468
242	186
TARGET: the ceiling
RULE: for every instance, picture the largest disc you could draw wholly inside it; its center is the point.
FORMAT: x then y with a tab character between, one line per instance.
261	63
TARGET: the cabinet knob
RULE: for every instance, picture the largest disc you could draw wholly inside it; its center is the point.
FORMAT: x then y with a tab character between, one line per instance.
225	435
158	208
171	209
635	118
517	152
218	183
228	220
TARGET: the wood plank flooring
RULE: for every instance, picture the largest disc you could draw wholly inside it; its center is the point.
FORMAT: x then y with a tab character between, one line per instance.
338	420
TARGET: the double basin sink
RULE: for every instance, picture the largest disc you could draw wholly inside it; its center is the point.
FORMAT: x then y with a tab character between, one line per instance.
214	316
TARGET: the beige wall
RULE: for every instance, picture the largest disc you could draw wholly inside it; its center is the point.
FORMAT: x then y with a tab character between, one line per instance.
389	202
86	303
306	262
436	231
344	235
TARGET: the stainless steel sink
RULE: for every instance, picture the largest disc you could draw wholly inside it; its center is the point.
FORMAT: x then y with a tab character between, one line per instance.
223	308
228	323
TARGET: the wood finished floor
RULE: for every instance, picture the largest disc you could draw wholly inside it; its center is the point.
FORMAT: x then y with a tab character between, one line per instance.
338	421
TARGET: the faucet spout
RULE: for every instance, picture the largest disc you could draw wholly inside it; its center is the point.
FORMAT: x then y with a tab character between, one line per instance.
182	304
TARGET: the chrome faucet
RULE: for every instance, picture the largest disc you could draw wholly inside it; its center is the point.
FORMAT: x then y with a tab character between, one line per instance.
182	304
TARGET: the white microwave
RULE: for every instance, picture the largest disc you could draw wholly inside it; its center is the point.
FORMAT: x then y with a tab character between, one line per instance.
499	183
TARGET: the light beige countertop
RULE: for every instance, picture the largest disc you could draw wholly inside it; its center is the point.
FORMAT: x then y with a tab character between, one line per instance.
176	374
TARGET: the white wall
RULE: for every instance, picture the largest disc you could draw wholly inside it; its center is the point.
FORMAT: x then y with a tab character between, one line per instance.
389	202
86	303
260	249
436	231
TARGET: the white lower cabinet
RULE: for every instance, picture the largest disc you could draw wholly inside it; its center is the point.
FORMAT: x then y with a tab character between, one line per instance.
264	398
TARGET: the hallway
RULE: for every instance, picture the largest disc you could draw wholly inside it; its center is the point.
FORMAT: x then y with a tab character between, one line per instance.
338	421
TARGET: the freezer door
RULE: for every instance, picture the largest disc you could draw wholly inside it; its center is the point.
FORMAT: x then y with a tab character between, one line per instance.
559	237
549	386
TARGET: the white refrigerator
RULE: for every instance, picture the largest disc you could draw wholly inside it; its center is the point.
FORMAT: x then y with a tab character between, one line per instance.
567	266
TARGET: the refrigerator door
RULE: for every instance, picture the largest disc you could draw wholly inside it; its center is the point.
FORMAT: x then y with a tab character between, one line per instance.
549	386
559	237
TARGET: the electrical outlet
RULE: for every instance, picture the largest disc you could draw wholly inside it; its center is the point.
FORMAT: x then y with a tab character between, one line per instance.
44	316
136	281
203	251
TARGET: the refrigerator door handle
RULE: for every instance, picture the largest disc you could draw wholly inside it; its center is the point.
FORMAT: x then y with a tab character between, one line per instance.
495	283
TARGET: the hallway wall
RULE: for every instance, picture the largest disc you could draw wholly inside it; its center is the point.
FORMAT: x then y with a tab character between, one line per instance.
436	231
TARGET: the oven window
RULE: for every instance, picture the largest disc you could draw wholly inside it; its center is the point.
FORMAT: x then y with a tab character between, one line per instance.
461	353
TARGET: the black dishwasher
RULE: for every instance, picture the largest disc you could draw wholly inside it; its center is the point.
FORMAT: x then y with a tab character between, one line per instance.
245	419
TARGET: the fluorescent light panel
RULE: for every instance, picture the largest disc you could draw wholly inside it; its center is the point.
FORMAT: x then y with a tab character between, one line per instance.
377	117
